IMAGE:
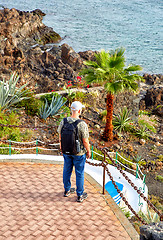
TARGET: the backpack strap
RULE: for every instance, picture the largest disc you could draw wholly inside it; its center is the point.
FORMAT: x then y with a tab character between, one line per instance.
77	122
65	121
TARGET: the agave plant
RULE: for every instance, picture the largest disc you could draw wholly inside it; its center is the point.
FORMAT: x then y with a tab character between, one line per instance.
142	132
149	218
122	121
54	109
10	94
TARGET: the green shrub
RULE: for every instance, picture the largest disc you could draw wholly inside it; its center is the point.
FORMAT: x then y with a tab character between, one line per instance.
159	178
5	151
9	132
30	105
126	213
102	115
149	122
70	94
141	112
80	96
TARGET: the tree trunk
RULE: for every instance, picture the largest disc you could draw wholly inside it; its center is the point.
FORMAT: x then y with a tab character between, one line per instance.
108	132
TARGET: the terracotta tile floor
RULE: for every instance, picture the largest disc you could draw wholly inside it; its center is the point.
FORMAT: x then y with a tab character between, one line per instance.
32	206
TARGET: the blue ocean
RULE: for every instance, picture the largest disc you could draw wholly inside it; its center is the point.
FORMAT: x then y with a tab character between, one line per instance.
136	25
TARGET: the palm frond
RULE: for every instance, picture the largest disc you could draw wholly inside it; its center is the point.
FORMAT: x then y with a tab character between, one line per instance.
91	64
133	68
113	87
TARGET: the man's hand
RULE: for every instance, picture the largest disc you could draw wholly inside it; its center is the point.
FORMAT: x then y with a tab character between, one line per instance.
88	154
87	146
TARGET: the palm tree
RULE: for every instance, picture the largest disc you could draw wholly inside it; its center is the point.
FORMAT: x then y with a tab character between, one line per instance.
109	69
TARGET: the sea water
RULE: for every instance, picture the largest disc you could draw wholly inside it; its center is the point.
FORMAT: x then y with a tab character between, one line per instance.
136	25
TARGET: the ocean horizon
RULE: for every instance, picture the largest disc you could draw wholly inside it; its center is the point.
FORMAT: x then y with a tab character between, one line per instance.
136	25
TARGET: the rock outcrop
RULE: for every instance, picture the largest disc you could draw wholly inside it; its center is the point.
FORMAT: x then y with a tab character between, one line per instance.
153	231
28	47
153	79
153	100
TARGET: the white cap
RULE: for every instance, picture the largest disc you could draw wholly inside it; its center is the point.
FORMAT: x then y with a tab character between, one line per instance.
76	106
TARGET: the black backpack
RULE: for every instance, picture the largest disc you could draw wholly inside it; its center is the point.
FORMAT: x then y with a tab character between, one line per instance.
70	143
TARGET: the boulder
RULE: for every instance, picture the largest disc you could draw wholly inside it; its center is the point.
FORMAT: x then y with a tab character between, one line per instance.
153	231
69	56
153	79
88	55
154	99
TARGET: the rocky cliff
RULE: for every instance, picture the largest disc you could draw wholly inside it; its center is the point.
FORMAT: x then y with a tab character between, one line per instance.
30	48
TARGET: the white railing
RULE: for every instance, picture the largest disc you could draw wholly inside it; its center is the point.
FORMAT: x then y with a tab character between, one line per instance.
115	155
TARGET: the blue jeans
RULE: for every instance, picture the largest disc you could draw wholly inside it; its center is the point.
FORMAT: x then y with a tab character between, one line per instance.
79	163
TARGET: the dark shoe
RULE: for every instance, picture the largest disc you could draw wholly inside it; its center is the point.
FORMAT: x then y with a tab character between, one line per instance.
67	193
82	197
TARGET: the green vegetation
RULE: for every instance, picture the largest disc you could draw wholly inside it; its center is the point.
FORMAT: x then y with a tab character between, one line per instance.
10	94
80	96
160	158
122	122
157	202
137	158
126	213
5	151
30	105
9	132
109	70
70	94
51	37
159	178
142	133
54	109
141	112
102	115
149	217
149	122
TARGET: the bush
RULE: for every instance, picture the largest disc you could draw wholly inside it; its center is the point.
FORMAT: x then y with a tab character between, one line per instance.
9	132
149	122
5	151
159	178
30	105
80	96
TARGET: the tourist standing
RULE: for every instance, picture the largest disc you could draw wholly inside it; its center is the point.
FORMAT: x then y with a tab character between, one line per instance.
74	153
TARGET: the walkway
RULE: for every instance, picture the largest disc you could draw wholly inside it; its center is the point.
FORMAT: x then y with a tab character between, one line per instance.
32	206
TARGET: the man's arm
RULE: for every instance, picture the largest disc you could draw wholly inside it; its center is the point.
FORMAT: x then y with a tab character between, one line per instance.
60	141
87	147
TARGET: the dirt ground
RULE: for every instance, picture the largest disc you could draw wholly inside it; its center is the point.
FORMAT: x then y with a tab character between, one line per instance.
155	187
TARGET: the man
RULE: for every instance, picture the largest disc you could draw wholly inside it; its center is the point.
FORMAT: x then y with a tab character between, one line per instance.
77	160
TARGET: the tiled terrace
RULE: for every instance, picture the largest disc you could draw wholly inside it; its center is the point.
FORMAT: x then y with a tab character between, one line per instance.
32	206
